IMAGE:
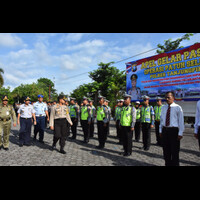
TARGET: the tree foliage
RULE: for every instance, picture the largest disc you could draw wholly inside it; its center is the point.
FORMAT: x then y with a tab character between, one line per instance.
170	45
108	81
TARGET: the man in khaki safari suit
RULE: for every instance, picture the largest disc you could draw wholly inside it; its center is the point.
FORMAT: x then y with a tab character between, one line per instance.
6	112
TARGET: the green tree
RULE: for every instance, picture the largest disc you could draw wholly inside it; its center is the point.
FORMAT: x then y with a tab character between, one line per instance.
31	90
48	86
108	81
1	77
170	45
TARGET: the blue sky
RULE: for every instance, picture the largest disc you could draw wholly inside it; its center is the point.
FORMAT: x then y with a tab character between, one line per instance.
25	57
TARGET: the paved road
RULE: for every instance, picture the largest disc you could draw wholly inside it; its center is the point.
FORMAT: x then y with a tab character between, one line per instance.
79	154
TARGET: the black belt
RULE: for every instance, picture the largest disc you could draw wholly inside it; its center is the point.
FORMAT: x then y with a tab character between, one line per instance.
25	118
165	127
60	119
4	120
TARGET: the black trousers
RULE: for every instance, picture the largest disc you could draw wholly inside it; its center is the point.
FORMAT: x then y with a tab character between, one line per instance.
198	134
171	146
74	127
158	139
91	127
86	130
60	132
102	133
146	135
25	130
137	131
119	131
127	135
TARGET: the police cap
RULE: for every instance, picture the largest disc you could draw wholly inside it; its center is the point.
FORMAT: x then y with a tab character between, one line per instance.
137	102
40	96
127	96
134	76
145	97
61	97
101	97
5	98
27	98
85	98
158	98
72	98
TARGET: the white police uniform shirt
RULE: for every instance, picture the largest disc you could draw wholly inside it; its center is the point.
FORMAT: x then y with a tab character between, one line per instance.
197	118
40	109
26	111
176	118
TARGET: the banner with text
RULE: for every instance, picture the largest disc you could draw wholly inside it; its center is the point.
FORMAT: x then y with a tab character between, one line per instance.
177	71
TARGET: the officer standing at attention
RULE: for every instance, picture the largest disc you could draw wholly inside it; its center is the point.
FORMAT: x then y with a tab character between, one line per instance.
93	116
138	121
147	120
6	112
102	121
68	124
117	118
25	114
157	110
41	111
127	123
171	130
58	123
74	117
109	115
85	119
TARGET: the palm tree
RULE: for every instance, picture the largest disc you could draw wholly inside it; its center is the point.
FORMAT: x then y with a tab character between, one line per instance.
1	77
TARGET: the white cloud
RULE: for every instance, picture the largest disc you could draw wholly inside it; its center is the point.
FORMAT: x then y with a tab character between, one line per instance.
73	37
10	40
86	45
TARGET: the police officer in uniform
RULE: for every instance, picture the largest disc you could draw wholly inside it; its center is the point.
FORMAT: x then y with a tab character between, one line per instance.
58	123
6	112
117	118
93	116
157	110
74	117
127	123
41	111
85	119
68	124
25	114
102	121
135	92
138	121
147	121
109	115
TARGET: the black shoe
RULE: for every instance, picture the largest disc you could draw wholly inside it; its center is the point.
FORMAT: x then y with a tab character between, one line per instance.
53	147
20	144
6	148
100	147
126	154
41	141
27	144
0	147
62	151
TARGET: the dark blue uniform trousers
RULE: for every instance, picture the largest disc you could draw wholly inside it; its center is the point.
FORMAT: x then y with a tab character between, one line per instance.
39	127
25	130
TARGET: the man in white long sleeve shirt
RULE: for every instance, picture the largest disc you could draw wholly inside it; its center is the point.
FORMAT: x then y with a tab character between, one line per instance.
171	130
197	123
